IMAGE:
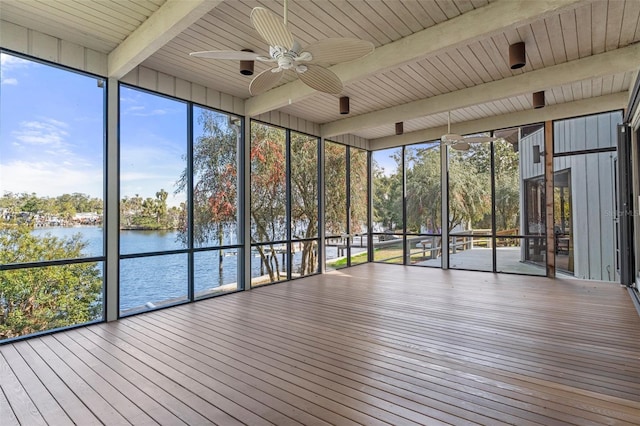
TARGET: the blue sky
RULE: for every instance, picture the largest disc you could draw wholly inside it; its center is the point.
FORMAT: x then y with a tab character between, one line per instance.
52	134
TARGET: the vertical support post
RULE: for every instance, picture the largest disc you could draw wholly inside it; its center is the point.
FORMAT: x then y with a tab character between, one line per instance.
444	185
288	214
347	242
492	239
190	221
112	214
369	206
245	206
406	250
321	208
548	179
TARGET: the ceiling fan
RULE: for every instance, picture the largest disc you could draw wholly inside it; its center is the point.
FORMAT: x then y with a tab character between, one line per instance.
462	143
308	63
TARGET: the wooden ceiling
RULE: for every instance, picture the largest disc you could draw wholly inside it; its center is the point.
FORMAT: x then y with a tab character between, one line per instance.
432	56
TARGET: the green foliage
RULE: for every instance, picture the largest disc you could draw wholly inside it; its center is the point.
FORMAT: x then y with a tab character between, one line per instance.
215	176
64	206
359	189
304	197
149	213
469	189
424	194
43	298
335	179
387	195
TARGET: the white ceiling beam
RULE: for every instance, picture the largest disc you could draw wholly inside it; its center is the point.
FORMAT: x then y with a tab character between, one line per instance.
612	62
173	17
480	23
520	118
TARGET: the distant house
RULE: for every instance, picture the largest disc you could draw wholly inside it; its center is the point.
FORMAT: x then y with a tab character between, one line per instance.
88	218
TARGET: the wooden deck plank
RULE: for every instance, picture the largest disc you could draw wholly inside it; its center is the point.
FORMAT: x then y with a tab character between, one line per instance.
21	405
87	395
38	393
381	374
301	379
134	372
230	411
150	407
285	329
373	344
69	402
8	417
214	366
407	398
413	336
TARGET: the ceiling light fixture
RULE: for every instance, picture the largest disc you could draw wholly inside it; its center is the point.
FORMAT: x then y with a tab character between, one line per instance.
517	56
399	128
538	100
344	105
246	67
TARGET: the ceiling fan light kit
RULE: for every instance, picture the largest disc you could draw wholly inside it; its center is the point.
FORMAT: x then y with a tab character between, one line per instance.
344	105
286	54
517	56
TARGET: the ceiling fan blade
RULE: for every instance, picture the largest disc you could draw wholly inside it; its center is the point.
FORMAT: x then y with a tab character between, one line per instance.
480	139
451	138
336	50
226	54
321	79
271	28
265	81
461	146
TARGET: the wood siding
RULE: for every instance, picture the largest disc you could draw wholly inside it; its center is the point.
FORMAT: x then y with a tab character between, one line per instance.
373	344
593	192
43	46
172	86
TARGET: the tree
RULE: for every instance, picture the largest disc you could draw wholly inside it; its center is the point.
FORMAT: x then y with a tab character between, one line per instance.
424	189
387	195
215	176
304	198
42	298
268	194
335	182
359	202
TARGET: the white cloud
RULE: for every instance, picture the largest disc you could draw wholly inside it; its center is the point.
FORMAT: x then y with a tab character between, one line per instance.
46	132
141	111
8	63
48	178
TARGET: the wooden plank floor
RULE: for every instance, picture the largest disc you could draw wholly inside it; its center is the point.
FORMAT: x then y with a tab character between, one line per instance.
374	344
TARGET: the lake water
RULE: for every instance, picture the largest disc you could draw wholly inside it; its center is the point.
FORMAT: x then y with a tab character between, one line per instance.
154	280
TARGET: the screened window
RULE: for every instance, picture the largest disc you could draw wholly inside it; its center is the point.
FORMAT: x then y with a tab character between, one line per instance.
51	197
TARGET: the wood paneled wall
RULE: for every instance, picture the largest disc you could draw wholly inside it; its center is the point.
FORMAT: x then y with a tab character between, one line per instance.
43	46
